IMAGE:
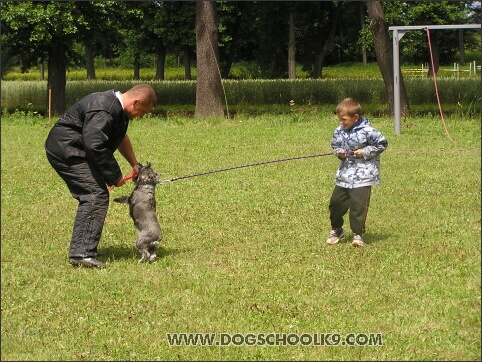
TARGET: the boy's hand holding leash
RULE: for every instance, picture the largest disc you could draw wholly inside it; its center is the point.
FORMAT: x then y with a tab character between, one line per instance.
352	154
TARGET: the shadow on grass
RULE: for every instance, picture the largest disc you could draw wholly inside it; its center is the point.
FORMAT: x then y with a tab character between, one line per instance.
374	238
113	253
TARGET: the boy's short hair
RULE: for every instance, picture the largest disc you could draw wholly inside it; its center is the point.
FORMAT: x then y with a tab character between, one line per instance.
350	106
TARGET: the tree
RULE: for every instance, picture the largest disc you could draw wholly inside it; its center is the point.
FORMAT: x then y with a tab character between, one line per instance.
333	14
383	51
253	32
43	30
445	43
208	88
158	30
179	36
433	13
271	40
49	31
135	32
231	14
291	44
96	26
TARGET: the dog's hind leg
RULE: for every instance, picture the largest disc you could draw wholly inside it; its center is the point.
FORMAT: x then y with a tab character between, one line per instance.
153	250
144	256
143	249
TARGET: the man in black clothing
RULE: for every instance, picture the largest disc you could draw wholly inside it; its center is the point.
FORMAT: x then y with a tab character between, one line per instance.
80	147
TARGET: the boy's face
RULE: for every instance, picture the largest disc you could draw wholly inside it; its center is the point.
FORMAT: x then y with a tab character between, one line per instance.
347	121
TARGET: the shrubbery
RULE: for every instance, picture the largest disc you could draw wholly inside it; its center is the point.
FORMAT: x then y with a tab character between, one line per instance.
32	95
244	92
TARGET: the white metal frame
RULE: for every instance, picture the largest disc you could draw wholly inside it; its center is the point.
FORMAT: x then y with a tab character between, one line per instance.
398	33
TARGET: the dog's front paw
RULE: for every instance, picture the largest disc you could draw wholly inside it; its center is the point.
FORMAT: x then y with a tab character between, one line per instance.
152	258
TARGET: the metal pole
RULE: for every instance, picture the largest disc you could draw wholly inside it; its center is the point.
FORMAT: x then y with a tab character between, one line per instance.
396	83
398	32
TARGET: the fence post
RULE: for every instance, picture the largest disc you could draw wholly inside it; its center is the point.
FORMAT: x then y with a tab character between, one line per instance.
50	103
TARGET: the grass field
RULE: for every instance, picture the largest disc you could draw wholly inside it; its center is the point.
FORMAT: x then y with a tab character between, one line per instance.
244	250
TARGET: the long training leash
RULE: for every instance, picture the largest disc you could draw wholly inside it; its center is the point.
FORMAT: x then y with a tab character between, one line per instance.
134	174
244	166
447	133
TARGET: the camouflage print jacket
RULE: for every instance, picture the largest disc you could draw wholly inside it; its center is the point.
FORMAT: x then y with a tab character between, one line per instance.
361	171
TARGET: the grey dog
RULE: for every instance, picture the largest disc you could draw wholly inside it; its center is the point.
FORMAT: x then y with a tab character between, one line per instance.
142	207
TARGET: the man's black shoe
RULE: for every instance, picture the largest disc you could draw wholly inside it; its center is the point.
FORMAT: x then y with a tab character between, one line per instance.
87	262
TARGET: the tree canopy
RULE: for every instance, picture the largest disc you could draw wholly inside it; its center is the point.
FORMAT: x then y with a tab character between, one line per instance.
135	34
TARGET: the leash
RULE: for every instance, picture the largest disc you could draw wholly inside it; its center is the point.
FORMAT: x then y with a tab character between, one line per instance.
134	174
447	133
243	166
125	178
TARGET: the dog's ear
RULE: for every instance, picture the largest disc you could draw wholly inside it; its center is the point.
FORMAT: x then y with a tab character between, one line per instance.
137	169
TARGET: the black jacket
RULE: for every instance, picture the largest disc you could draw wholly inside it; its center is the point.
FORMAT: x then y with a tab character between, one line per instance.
91	130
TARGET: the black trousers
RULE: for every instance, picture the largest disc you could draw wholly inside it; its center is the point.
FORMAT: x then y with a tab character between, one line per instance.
88	187
356	200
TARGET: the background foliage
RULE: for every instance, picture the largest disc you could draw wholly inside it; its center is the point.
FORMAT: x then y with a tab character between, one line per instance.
249	31
456	95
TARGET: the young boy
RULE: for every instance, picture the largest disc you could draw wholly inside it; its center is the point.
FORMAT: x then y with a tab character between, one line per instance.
358	145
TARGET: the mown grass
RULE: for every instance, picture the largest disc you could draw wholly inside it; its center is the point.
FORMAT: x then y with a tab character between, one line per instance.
244	250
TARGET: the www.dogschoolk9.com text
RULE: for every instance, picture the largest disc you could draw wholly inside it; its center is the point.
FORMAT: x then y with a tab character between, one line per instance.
274	339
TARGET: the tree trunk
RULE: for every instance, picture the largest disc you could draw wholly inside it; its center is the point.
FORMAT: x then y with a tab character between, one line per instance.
186	61
208	86
328	44
291	46
362	23
232	45
89	62
383	52
137	67
42	70
160	62
56	79
320	58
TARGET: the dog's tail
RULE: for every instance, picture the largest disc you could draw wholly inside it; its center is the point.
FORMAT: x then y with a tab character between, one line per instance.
122	199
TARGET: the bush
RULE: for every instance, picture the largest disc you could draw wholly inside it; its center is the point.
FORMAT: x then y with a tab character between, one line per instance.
32	95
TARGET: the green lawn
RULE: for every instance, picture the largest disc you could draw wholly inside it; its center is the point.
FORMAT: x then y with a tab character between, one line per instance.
244	250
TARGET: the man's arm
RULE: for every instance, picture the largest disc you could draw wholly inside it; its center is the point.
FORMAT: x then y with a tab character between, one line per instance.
125	149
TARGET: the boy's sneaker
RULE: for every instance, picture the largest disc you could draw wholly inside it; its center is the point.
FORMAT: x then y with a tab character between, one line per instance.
358	241
335	236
